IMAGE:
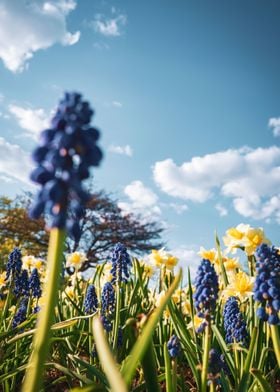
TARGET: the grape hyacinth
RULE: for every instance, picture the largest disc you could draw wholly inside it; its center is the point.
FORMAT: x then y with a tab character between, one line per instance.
173	346
91	302
21	287
107	324
14	264
64	156
108	298
121	262
216	364
35	284
20	315
234	323
107	305
207	287
267	284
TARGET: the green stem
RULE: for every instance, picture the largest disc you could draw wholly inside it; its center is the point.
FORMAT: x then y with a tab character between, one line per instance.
34	374
276	341
174	374
117	318
149	368
212	386
6	307
204	373
168	375
220	257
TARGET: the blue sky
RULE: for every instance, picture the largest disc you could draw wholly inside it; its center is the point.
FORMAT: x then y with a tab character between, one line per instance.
186	95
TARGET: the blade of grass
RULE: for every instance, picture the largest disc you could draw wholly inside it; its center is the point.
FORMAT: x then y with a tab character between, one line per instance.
140	347
111	370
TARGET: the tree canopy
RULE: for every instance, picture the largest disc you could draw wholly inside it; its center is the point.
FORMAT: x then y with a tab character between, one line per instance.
103	224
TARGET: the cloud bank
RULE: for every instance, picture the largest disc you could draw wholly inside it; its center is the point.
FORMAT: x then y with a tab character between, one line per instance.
26	27
249	177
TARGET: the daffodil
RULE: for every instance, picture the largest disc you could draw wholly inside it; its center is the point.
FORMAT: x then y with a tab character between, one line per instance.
196	322
2	279
157	257
231	264
148	269
186	307
241	286
106	274
75	260
12	309
234	237
162	258
254	238
246	237
177	296
69	290
170	262
210	254
28	262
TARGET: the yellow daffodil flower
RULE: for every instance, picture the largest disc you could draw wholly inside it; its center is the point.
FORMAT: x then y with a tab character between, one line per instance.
162	258
254	238
69	290
241	286
246	237
231	264
2	279
210	254
197	321
186	307
75	259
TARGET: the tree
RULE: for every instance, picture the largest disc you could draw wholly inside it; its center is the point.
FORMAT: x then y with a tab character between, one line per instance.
103	224
16	229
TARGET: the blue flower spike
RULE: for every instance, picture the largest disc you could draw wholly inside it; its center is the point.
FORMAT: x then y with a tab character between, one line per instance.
234	323
121	264
90	302
64	157
267	284
173	346
206	290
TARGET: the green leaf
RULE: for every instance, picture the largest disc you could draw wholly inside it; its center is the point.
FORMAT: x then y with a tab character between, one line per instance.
91	370
107	360
248	363
142	343
168	375
264	385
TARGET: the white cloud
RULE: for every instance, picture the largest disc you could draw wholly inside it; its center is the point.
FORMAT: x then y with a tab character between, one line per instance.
6	179
274	123
109	27
14	162
188	258
221	209
141	200
178	208
26	27
122	150
31	120
117	104
250	177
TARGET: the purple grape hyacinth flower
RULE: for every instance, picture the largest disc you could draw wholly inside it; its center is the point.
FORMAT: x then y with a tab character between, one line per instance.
64	156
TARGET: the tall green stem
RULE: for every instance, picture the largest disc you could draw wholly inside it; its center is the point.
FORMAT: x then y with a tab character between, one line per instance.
207	343
34	373
117	317
276	342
